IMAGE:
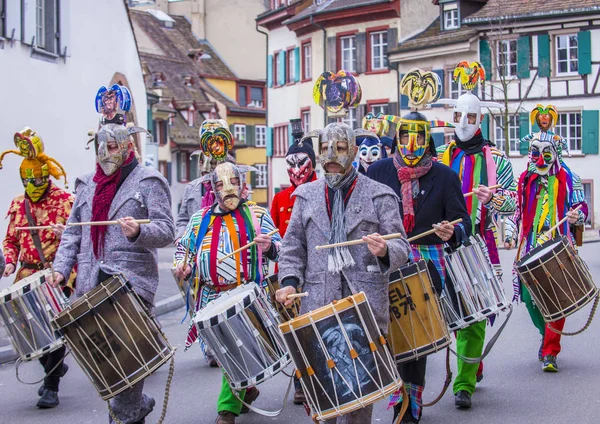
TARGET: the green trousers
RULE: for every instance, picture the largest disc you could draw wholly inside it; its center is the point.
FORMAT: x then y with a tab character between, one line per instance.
469	343
534	312
227	400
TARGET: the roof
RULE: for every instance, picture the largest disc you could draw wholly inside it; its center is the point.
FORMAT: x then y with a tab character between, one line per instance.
332	6
519	9
433	36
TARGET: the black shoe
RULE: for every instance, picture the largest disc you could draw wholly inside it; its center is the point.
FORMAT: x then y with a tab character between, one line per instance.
249	397
462	399
479	377
212	362
299	397
49	399
65	368
225	417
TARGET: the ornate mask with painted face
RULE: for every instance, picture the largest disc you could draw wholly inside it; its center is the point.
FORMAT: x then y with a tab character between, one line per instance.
370	151
337	149
215	138
544	156
544	117
413	137
227	186
299	168
35	179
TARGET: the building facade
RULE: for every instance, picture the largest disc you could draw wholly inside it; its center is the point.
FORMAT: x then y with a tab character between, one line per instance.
55	62
533	54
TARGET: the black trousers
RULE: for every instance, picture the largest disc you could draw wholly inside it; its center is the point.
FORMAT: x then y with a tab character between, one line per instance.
411	372
53	367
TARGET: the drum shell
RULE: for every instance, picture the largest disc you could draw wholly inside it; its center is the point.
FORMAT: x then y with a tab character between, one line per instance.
113	338
285	312
26	312
417	327
310	357
558	281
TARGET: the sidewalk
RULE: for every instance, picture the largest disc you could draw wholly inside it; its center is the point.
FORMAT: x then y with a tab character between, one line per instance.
167	299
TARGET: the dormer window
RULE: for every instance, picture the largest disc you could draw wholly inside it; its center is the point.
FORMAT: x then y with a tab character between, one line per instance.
190	116
158	79
188	81
450	16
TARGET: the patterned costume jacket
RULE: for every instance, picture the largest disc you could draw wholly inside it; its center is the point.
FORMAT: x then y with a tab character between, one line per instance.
372	208
144	194
54	207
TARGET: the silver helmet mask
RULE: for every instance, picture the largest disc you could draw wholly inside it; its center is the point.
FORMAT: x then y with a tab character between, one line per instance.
112	148
337	150
226	181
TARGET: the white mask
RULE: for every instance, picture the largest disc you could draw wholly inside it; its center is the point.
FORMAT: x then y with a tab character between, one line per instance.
467	105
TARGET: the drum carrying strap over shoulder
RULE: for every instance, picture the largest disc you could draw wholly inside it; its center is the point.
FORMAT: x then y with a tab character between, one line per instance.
35	235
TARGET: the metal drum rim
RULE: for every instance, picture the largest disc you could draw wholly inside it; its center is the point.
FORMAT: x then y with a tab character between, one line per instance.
8	294
235	309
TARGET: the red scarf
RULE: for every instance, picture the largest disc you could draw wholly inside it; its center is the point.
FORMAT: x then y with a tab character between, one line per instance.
406	175
106	188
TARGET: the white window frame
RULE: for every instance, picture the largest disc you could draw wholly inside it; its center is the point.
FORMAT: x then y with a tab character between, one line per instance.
589	221
456	88
40	23
572	63
513	130
183	166
571	130
306	121
291	66
307	60
379	108
451	19
260	136
378	50
262	175
509	50
190	116
350	118
277	69
348	45
239	133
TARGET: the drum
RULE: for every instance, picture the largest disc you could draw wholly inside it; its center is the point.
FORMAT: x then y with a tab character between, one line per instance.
474	291
341	357
417	326
240	327
26	309
557	278
285	312
113	338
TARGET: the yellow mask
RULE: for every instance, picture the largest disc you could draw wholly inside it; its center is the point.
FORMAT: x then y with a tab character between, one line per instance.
35	186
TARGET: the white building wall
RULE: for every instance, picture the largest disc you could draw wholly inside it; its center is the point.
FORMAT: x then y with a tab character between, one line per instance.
57	99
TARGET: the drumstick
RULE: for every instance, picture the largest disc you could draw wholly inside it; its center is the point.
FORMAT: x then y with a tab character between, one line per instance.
387	237
252	243
81	224
297	295
471	193
559	223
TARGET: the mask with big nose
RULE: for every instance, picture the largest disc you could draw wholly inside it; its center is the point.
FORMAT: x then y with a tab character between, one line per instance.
544	155
227	185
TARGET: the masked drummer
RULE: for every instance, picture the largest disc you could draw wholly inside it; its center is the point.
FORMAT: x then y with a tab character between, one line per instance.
479	165
430	196
43	203
344	205
123	190
548	192
214	232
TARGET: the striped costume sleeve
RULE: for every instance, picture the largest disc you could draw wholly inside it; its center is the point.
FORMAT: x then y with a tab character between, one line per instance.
188	240
504	200
578	197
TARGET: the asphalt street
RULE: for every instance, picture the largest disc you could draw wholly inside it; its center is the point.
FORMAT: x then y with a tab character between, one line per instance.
514	389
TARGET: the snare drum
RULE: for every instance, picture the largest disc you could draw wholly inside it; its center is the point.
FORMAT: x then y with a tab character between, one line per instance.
474	291
113	338
557	279
26	309
240	327
341	358
417	326
285	312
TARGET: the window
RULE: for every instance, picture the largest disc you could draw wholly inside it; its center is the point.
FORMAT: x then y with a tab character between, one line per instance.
239	133
306	121
306	61
379	46
261	175
260	136
280	140
506	58
276	67
290	66
377	109
46	25
348	51
163	168
194	168
566	54
39	23
242	98
588	186
568	127
190	116
513	130
456	89
257	97
171	118
451	19
182	167
350	119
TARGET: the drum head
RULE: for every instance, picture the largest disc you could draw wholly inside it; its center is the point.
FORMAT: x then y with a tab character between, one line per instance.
23	286
539	252
227	304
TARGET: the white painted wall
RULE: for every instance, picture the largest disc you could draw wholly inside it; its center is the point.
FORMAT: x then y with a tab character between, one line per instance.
57	99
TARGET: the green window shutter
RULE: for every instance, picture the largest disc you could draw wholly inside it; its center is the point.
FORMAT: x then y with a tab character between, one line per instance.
361	53
485	126
178	156
485	57
253	179
270	71
269	142
584	52
535	128
589	142
544	64
282	67
524	148
193	167
438	138
523	57
523	131
297	64
250	139
290	136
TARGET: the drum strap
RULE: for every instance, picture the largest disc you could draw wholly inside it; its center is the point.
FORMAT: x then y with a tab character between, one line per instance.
446	383
490	344
585	327
35	235
262	411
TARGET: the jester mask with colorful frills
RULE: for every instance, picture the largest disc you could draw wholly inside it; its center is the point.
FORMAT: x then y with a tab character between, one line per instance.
337	92
215	138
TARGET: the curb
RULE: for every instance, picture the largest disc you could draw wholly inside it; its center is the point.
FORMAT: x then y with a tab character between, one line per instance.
7	353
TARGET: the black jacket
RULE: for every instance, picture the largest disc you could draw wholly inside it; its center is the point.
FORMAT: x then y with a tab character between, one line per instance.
440	199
